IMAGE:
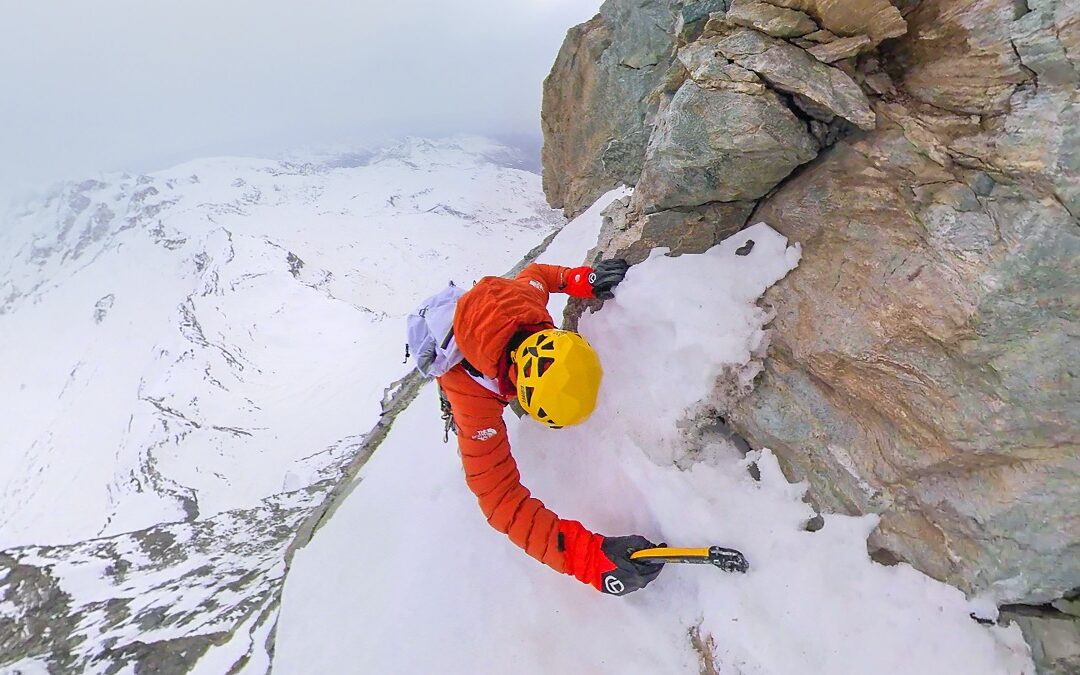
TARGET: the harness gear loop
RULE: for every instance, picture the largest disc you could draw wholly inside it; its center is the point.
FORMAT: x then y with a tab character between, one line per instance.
447	416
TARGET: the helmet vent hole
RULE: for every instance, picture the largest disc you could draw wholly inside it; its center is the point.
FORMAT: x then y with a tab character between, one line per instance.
527	370
528	395
541	413
545	363
548	346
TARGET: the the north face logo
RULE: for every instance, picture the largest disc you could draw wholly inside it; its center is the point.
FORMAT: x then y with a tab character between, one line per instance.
484	434
536	284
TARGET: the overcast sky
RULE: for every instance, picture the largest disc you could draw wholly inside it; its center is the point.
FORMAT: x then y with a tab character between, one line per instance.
138	85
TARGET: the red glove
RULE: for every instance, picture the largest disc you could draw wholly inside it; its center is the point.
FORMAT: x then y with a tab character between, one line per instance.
604	562
586	282
577	282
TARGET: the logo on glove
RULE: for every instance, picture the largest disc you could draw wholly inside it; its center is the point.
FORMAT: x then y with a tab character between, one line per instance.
613	585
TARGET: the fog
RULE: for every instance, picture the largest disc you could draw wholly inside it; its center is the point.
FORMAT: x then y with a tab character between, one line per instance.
134	85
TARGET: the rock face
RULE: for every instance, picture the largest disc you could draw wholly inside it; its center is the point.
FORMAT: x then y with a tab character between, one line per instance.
843	48
960	55
924	355
770	19
920	364
156	600
698	151
793	70
876	19
1054	638
593	135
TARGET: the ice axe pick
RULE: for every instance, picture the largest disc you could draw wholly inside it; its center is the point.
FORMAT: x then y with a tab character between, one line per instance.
727	559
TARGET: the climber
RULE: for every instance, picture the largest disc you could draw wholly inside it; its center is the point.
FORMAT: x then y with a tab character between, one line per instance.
511	348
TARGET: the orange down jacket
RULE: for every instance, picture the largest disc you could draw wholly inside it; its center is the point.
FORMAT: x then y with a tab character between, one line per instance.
486	318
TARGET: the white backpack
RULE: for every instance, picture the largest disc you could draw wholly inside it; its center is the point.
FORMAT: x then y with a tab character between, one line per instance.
431	333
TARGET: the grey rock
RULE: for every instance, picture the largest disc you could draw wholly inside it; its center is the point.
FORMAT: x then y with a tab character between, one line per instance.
876	18
842	48
640	60
1039	138
962	58
880	83
201	580
818	112
719	145
597	106
1070	606
1054	640
921	364
923	356
692	16
776	21
793	70
1047	41
102	307
713	71
820	36
693	230
1037	142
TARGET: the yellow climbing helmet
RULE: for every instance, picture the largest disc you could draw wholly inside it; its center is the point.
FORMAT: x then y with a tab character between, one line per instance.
558	377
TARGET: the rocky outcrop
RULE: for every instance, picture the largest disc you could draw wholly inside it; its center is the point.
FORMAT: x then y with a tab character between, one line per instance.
959	55
684	231
770	19
1054	637
595	100
877	19
156	600
793	70
697	152
842	48
920	363
923	357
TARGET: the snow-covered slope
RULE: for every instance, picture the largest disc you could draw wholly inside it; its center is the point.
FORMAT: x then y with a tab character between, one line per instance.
409	578
189	342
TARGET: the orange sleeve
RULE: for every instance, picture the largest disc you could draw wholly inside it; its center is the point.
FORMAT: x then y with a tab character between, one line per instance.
492	474
552	277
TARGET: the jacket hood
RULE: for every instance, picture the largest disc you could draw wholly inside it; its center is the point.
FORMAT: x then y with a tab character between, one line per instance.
490	314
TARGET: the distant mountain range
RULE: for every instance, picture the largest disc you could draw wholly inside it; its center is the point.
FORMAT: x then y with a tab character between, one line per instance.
192	341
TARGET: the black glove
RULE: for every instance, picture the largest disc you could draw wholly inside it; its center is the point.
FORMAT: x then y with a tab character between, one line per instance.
606	275
628	575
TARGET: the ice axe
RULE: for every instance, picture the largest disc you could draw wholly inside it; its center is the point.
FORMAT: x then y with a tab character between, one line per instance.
727	559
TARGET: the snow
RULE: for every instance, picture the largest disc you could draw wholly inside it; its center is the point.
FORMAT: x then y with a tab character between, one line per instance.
193	341
575	240
407	576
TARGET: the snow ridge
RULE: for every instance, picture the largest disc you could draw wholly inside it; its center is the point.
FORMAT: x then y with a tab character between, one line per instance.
171	329
198	357
812	602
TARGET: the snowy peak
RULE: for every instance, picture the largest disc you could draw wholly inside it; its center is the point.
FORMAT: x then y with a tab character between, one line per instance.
461	151
195	340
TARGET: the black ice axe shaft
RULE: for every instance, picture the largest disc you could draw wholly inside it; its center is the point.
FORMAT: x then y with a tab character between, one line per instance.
727	559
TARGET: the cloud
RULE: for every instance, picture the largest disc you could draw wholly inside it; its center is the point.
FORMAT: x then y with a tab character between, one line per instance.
135	85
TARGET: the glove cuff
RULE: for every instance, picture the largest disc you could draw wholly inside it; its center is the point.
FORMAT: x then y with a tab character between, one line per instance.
577	282
582	554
